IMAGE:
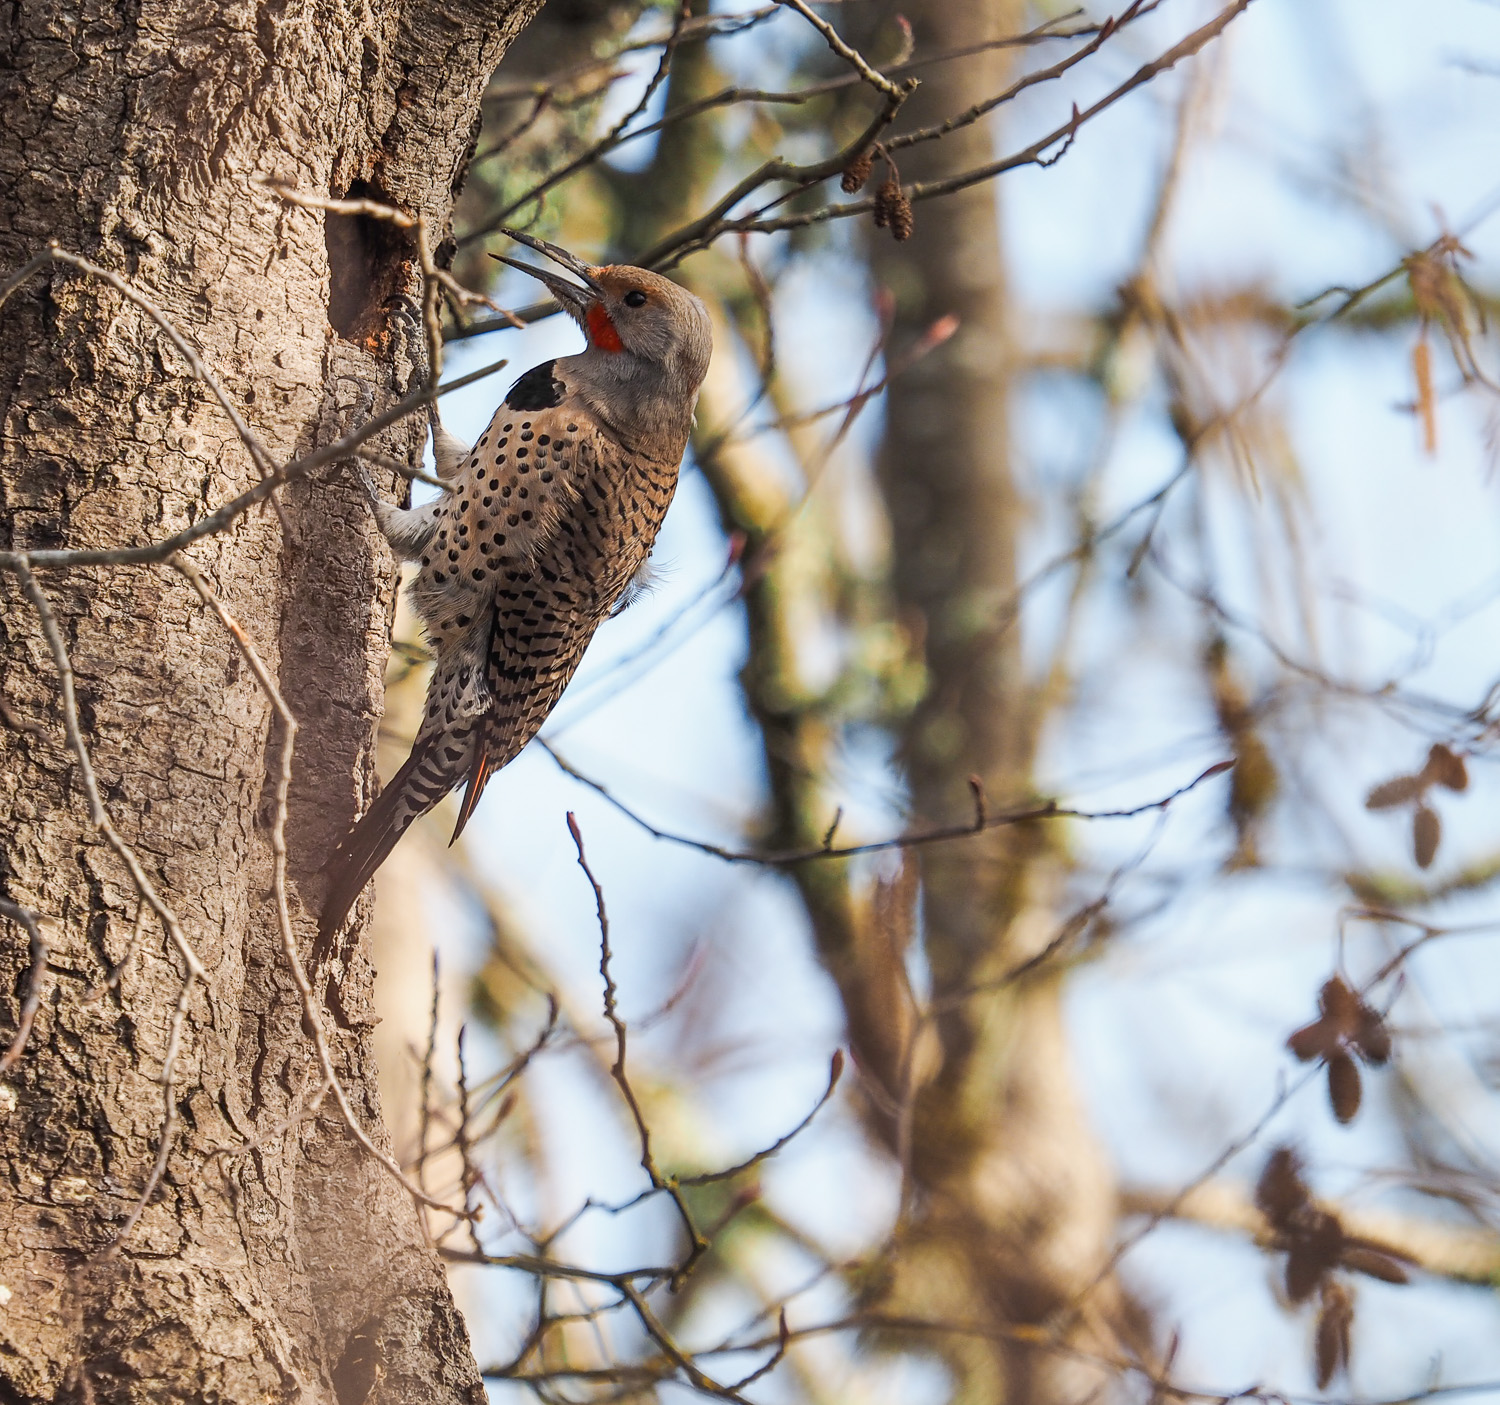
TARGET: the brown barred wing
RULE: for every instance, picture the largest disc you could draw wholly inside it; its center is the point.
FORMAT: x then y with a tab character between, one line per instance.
538	641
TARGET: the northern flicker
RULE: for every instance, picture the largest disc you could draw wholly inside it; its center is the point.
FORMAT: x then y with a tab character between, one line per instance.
544	524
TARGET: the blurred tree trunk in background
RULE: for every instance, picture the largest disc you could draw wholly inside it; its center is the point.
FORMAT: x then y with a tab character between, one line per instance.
1013	1209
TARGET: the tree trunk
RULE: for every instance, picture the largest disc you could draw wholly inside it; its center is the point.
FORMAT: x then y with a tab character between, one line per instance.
276	1260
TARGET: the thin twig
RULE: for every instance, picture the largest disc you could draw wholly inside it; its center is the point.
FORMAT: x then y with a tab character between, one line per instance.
939	130
54	253
707	229
21	563
658	1333
435	280
1066	1315
697	1245
99	817
468	1173
1047	810
406	470
784	1338
424	1125
301	1108
116	973
217	520
37	973
606	143
835	1069
851	55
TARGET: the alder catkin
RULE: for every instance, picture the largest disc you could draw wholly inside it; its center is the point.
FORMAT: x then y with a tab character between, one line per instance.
901	216
1446	767
1362	1258
857	172
1281	1193
1399	790
892	208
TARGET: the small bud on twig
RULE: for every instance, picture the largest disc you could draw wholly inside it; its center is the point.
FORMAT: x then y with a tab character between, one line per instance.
981	808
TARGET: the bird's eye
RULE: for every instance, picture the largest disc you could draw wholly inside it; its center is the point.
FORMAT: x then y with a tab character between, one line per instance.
635	298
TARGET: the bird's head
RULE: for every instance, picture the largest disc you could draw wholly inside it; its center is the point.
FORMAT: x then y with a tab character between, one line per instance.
647	321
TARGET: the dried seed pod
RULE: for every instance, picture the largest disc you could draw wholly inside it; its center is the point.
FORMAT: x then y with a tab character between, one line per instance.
1335	1318
1399	790
1317	1241
1446	768
1280	1192
1426	832
1344	1089
1339	1004
1372	1040
1377	1263
1312	1041
857	172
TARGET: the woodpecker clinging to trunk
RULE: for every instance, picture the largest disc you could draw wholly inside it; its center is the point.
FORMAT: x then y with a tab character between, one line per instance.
543	525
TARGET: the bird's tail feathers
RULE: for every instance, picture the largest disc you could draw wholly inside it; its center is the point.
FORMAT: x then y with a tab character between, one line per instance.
412	791
480	769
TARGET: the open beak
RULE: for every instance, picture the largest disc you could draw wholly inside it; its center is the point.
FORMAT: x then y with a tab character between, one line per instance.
573	298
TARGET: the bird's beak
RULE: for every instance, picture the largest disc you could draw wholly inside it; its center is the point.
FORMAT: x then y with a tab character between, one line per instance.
573	298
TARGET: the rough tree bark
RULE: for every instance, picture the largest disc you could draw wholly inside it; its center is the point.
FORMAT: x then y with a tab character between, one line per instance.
135	134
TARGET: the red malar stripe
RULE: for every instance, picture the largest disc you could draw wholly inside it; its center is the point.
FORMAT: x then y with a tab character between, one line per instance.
601	330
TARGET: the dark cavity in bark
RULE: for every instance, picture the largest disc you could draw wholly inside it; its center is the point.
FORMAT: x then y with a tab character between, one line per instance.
369	262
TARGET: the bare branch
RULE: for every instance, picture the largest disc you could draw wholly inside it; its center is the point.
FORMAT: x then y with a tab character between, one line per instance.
882	85
700	233
1048	810
835	1069
1462	1255
224	515
606	143
54	253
